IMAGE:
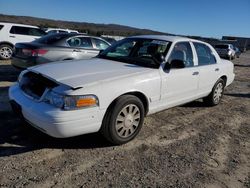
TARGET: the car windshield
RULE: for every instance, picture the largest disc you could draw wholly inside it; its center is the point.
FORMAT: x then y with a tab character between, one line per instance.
139	51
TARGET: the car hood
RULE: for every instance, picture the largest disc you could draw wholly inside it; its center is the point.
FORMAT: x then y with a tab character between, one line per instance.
79	73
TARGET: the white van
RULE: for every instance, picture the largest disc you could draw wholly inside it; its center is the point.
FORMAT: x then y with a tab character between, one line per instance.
11	33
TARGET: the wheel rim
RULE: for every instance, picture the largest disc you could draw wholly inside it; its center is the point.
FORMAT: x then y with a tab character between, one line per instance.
128	120
5	52
218	93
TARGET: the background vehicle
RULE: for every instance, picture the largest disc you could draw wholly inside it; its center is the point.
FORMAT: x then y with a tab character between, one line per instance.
55	47
11	33
237	52
59	30
114	92
225	51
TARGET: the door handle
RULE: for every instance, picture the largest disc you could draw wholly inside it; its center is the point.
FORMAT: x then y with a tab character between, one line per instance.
13	36
195	73
76	50
217	69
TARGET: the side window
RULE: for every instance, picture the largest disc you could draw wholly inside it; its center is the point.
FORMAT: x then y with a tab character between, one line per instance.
204	53
61	31
182	51
19	30
100	44
35	32
1	26
80	42
26	31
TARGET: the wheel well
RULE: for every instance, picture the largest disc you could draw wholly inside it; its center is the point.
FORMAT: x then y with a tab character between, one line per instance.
8	43
140	95
224	78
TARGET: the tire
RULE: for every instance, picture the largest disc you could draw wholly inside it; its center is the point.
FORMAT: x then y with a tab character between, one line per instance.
6	51
123	120
216	94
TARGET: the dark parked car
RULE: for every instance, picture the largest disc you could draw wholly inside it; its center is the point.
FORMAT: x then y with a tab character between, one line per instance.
57	47
225	51
237	52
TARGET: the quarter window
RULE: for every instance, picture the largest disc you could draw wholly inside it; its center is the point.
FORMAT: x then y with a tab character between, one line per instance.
182	51
100	44
26	31
204	53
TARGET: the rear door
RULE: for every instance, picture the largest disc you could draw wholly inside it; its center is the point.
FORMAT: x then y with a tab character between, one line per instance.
208	68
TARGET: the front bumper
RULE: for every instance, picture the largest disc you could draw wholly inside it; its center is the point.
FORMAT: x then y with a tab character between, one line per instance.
53	121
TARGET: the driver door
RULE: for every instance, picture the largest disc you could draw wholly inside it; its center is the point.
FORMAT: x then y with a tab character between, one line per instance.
180	85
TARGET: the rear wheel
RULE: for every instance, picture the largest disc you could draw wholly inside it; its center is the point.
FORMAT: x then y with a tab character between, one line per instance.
6	51
215	96
123	119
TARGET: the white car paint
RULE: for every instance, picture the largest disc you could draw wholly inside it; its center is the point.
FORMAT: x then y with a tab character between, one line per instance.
108	80
10	38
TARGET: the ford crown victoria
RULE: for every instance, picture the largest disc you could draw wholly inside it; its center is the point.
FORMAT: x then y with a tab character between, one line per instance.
112	93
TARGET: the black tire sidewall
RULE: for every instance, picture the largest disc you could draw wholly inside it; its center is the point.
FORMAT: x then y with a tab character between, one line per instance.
115	110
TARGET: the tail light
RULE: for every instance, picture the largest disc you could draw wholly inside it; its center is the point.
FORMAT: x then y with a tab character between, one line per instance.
35	53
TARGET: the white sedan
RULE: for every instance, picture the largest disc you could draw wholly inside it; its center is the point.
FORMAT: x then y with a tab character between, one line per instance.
113	93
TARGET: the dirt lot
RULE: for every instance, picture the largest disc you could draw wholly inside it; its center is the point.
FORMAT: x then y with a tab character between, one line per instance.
188	146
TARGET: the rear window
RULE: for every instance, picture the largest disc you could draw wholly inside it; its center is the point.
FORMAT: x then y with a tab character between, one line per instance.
1	26
51	39
222	46
27	31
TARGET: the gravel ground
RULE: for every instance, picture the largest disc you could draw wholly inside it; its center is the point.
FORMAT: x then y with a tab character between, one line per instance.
187	146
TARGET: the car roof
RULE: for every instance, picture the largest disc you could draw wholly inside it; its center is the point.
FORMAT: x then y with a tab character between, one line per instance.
68	35
167	38
57	29
15	24
73	35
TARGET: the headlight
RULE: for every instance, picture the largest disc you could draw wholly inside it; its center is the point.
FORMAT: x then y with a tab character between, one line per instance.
71	102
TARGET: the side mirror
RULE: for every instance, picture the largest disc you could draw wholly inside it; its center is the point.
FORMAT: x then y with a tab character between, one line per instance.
178	64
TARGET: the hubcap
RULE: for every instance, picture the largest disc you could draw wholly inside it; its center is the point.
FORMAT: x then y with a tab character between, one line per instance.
218	93
5	52
128	120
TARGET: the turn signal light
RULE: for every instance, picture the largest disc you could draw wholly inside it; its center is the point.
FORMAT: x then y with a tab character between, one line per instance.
83	102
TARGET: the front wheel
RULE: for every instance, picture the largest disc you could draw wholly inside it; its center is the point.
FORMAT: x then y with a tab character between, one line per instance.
123	119
215	96
6	51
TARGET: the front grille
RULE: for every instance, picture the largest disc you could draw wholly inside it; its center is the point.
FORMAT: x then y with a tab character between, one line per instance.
34	84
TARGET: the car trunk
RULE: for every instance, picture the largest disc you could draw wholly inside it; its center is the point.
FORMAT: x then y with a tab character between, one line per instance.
26	50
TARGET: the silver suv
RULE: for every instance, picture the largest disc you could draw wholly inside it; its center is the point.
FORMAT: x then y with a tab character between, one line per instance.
11	33
225	51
